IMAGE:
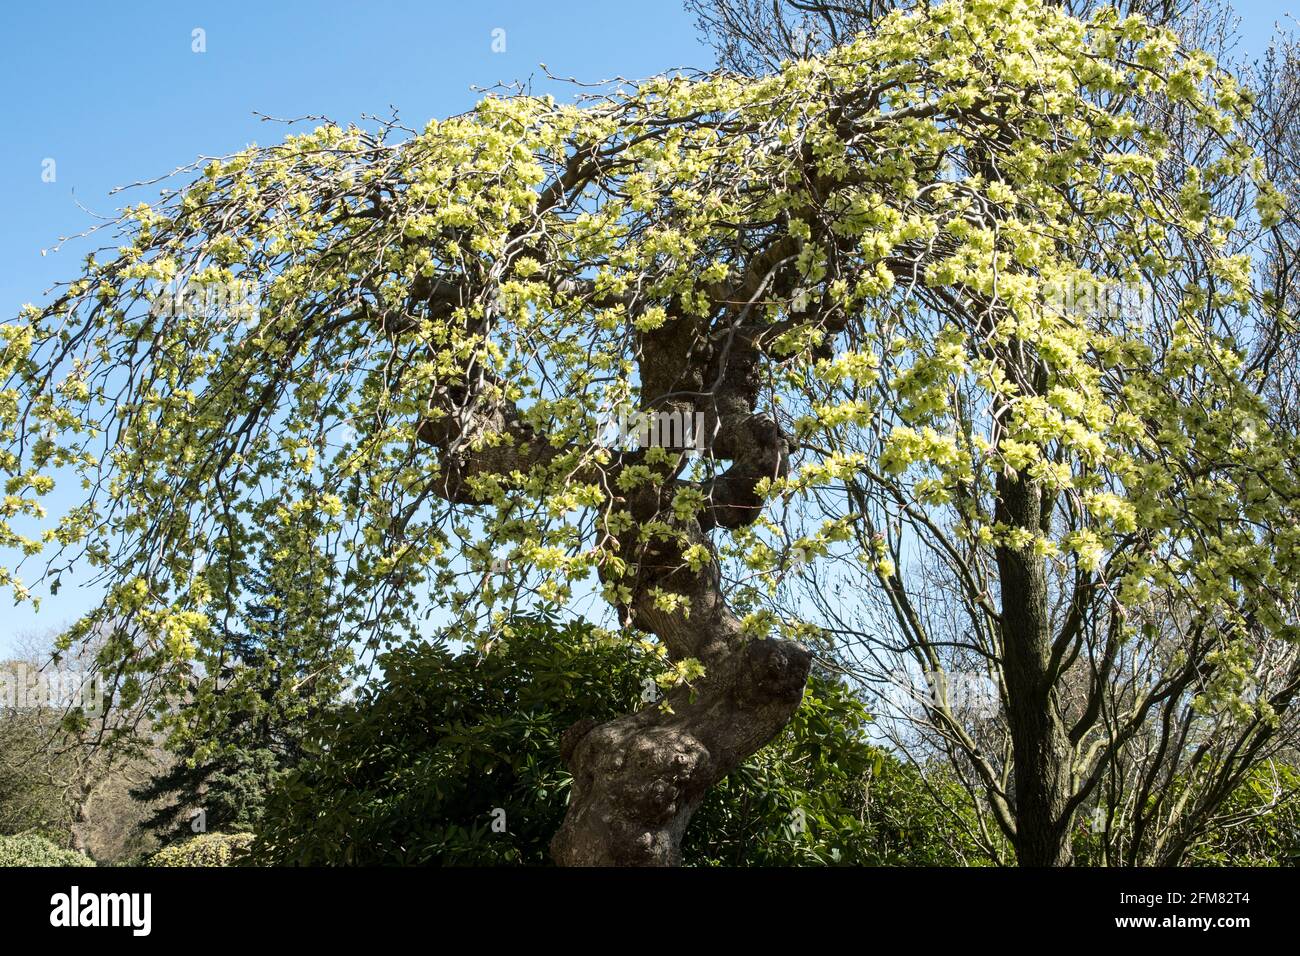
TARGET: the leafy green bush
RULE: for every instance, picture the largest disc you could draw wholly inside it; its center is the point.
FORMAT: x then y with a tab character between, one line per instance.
427	760
208	849
822	794
1258	825
28	849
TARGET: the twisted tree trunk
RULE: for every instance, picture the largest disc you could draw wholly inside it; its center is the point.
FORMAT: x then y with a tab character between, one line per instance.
638	779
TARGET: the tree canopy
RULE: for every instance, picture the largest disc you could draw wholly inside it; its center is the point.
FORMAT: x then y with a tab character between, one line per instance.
862	292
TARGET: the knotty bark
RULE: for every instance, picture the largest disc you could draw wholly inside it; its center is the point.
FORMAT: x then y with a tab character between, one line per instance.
637	779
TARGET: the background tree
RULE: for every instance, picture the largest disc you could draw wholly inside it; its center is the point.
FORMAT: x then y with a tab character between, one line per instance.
30	792
758	36
67	755
839	286
244	726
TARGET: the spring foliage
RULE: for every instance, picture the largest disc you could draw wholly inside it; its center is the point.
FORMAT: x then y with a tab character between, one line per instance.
919	193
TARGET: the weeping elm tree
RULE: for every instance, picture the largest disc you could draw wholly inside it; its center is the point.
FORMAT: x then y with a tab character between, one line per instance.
849	267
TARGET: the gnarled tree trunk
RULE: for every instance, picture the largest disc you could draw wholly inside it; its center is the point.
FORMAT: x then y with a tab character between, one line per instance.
638	779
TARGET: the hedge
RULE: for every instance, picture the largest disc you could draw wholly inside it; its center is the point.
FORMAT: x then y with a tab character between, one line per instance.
208	849
28	849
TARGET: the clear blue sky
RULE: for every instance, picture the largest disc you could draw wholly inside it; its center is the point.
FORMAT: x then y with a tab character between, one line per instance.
113	93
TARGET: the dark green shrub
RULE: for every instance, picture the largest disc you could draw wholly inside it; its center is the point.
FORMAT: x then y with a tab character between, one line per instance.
420	768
